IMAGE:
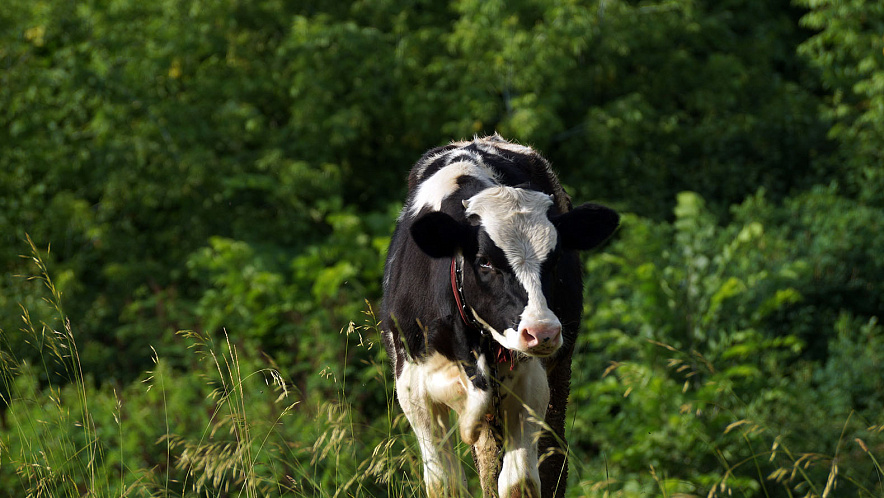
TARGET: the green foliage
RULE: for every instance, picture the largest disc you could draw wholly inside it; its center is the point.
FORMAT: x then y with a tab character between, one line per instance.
848	51
849	380
838	242
229	423
135	135
136	142
235	169
694	370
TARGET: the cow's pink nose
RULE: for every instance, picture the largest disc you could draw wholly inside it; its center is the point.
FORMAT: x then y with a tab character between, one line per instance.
535	335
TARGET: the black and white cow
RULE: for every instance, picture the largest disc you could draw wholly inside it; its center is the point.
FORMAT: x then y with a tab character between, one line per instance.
482	300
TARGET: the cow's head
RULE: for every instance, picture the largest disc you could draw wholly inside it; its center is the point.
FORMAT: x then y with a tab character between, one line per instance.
511	246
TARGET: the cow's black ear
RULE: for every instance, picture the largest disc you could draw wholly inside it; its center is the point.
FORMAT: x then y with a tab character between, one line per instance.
439	235
586	226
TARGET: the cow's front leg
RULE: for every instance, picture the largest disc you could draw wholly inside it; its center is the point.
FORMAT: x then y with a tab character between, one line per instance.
418	389
486	455
525	396
476	404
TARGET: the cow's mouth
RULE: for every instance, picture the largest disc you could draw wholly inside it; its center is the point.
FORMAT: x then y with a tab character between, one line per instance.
538	349
514	341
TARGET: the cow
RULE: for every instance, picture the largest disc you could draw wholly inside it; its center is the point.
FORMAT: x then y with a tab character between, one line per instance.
483	296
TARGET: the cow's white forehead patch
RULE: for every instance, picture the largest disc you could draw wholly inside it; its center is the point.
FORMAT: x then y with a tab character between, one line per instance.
516	220
443	183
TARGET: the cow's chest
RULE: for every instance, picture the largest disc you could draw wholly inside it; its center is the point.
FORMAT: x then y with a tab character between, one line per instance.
439	381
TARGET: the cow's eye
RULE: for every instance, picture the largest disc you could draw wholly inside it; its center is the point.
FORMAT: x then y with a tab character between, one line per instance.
485	264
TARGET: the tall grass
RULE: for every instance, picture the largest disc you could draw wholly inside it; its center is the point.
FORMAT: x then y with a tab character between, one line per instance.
50	461
233	425
768	463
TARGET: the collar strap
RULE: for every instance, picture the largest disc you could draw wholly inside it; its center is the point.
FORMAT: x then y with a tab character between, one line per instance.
457	290
502	354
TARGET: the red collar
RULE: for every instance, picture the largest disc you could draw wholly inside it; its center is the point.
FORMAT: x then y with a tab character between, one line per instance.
502	354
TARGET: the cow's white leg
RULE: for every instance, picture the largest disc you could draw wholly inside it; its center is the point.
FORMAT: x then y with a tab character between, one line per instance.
418	389
472	407
523	407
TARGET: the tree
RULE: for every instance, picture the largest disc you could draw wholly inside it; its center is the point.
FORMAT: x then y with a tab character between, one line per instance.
847	51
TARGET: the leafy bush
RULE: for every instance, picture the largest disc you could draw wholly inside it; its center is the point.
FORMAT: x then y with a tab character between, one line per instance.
229	422
235	169
692	374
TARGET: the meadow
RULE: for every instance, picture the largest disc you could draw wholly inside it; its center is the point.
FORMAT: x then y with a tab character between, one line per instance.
196	199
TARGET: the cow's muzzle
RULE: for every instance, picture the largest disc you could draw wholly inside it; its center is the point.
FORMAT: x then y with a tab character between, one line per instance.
540	337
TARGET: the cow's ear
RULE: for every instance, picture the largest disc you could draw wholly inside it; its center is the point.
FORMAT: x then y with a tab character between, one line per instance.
586	226
439	235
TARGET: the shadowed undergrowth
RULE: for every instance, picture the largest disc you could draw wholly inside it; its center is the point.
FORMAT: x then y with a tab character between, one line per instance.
231	424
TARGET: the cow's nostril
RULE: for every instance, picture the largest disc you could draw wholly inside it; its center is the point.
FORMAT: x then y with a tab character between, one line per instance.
537	334
528	338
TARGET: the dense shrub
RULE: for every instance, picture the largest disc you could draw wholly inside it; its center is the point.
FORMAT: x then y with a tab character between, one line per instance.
235	169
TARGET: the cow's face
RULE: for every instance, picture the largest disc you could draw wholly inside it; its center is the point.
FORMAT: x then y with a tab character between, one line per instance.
511	246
